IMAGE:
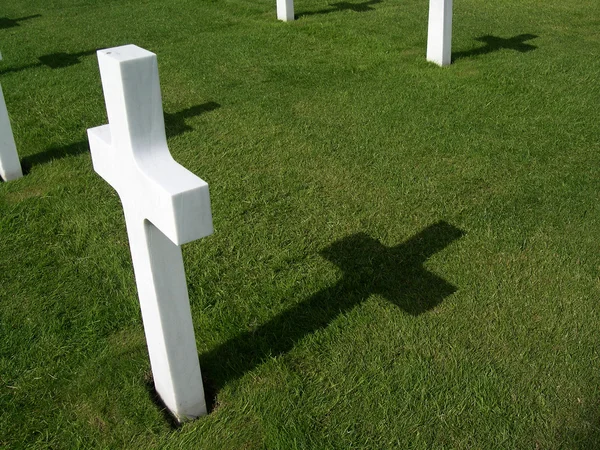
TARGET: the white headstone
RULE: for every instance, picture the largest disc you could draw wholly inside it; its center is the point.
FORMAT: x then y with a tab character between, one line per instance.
285	10
439	35
165	205
10	167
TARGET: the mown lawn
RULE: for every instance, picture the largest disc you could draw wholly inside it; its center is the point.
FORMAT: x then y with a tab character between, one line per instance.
404	256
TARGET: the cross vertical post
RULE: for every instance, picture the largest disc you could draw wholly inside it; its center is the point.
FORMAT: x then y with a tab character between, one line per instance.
10	167
439	35
285	10
165	206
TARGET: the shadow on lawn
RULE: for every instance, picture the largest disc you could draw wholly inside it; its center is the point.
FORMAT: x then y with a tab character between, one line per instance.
175	122
5	22
494	44
58	60
583	432
174	125
368	267
343	6
52	153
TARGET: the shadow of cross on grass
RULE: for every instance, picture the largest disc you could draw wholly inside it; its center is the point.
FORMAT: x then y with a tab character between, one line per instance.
60	60
174	125
344	6
368	267
175	122
5	22
493	44
54	61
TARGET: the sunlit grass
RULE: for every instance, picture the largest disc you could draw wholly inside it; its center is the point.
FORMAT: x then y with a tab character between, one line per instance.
404	256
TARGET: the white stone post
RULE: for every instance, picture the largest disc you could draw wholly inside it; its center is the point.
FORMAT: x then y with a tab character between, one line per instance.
10	167
285	10
439	35
165	206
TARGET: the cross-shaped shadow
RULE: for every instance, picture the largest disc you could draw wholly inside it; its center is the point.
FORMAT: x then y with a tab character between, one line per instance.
5	22
174	125
175	122
53	153
343	6
61	59
54	61
368	267
493	44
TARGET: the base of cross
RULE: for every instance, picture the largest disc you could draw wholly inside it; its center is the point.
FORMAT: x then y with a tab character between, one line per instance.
285	10
10	167
173	416
439	32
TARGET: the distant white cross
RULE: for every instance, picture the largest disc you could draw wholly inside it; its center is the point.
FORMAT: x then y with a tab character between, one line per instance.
165	206
10	167
285	10
439	35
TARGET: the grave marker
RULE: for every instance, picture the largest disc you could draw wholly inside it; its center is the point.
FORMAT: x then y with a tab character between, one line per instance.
285	10
439	35
165	206
10	167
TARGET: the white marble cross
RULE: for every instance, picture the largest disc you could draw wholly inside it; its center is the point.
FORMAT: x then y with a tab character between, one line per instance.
285	10
439	35
165	205
10	167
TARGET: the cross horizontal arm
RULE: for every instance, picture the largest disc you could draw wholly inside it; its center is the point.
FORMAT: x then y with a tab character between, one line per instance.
131	152
175	200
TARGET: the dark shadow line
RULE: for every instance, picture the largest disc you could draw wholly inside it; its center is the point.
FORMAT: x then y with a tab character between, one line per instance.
494	44
20	68
58	60
343	6
175	122
6	22
368	267
53	153
33	16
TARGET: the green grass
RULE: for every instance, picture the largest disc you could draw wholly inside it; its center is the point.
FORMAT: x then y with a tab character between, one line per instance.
330	310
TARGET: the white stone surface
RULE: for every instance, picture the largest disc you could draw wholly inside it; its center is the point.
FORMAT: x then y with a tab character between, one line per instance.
165	205
439	35
10	167
285	10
